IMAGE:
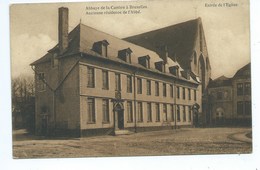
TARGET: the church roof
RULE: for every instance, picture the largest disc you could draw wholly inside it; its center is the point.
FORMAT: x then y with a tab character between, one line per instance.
243	72
180	40
220	82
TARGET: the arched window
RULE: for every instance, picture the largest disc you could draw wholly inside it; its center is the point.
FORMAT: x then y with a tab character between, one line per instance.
195	57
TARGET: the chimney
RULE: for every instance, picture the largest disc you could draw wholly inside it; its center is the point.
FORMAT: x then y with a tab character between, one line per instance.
63	29
164	54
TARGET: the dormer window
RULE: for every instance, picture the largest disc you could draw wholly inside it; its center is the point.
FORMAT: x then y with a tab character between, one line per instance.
174	70
160	65
144	61
125	55
101	47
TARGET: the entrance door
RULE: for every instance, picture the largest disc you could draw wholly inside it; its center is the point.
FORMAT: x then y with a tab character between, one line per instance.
120	119
44	126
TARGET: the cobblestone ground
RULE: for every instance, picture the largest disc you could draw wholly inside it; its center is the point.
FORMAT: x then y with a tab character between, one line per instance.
170	142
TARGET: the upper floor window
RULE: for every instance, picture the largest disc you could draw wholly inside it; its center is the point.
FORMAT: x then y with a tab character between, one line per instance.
125	55
157	88
195	95
55	60
101	47
178	113
144	61
178	92
129	84
171	90
91	77
148	88
189	94
160	65
240	89
247	88
41	82
117	82
105	79
139	86
183	93
164	90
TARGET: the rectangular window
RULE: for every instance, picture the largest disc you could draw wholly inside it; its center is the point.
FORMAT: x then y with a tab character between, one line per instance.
184	113
240	89
164	90
248	108
190	114
189	94
117	82
178	114
105	108
247	88
172	112
157	109
105	79
195	95
178	92
129	111
139	86
171	91
91	77
148	84
129	84
139	112
183	93
91	110
219	95
149	112
165	112
157	88
41	82
240	108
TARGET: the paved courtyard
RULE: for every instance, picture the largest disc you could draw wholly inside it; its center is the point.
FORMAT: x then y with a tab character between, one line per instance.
168	142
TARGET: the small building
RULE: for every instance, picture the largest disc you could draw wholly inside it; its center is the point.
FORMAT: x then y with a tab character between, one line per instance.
93	83
230	98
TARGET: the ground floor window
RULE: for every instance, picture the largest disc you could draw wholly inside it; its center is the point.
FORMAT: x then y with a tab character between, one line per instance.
178	114
247	108
164	112
140	112
157	109
184	114
190	114
91	110
105	108
129	111
240	108
172	112
149	112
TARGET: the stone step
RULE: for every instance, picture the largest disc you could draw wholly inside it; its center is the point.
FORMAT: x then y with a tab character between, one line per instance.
123	132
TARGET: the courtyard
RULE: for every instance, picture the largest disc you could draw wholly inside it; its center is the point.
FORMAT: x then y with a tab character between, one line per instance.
184	141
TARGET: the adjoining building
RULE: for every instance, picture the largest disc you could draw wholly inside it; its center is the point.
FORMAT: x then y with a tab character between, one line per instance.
230	98
93	83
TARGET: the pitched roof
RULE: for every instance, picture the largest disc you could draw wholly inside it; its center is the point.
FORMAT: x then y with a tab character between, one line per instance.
220	82
180	40
243	72
82	38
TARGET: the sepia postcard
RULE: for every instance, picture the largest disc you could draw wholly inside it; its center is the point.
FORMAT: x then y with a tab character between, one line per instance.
130	78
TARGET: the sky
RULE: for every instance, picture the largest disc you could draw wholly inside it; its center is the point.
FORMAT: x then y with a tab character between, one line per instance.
34	28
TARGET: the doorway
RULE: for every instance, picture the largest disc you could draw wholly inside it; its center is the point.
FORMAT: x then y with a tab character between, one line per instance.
120	115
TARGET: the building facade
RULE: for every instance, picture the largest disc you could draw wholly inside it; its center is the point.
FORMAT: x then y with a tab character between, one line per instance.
230	98
93	83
